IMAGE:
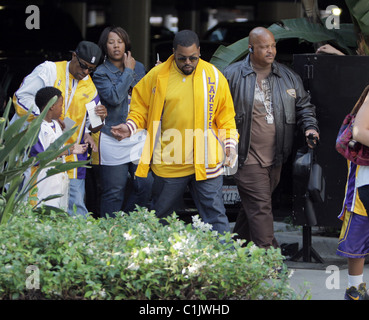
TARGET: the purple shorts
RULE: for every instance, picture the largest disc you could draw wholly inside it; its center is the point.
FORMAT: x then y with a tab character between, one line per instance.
354	238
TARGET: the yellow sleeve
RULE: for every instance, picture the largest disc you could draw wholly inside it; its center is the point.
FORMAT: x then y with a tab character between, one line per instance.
139	109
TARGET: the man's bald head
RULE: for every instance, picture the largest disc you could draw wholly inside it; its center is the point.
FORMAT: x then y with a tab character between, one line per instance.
263	45
258	33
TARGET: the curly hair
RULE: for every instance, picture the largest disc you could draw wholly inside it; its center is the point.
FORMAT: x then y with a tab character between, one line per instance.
44	95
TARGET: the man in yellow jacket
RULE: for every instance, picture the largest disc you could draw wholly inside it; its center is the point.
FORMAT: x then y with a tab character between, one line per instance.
186	106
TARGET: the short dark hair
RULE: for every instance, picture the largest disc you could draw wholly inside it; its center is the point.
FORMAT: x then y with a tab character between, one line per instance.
186	38
120	32
44	95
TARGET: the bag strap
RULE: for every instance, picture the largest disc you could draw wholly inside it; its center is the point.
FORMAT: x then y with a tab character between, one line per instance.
360	101
312	152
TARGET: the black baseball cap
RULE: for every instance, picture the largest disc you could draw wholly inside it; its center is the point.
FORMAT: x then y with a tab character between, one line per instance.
89	51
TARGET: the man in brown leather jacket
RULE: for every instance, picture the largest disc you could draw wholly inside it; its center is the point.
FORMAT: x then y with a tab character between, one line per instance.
270	101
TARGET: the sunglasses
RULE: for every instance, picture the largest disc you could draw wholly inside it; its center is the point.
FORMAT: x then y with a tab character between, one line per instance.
184	59
84	66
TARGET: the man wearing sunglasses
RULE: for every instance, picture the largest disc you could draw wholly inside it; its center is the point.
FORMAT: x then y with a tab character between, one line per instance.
73	79
186	107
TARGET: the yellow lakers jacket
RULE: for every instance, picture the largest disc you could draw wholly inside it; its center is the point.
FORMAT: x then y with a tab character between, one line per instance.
214	124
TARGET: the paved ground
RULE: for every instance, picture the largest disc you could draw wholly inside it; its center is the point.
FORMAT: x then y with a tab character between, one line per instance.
325	280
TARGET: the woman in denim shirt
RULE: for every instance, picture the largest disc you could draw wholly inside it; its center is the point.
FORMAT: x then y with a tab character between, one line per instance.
114	80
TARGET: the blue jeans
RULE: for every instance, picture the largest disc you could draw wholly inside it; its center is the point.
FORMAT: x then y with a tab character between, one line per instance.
77	197
207	195
113	184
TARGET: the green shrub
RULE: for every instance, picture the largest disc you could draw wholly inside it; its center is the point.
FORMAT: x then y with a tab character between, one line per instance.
16	140
132	256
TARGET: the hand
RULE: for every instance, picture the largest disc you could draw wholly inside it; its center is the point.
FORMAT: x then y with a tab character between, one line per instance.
157	60
120	132
327	48
129	61
101	111
312	138
79	148
231	157
89	140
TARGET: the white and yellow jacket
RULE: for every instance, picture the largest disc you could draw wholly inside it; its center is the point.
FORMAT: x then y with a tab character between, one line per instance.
56	74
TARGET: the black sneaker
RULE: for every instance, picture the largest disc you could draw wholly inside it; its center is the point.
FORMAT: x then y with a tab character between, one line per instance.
354	293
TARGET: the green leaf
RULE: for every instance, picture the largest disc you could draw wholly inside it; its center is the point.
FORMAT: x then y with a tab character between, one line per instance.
56	148
299	28
48	209
359	9
148	293
15	127
4	120
13	145
61	167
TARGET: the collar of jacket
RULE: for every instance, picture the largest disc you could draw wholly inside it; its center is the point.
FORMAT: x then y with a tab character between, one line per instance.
247	69
111	67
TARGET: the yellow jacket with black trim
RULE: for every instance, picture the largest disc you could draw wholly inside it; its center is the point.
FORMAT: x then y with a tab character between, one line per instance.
214	123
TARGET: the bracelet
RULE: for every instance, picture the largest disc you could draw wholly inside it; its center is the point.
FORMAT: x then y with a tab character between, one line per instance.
68	152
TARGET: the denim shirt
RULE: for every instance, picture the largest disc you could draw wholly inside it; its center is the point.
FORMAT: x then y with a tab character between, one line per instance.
113	87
